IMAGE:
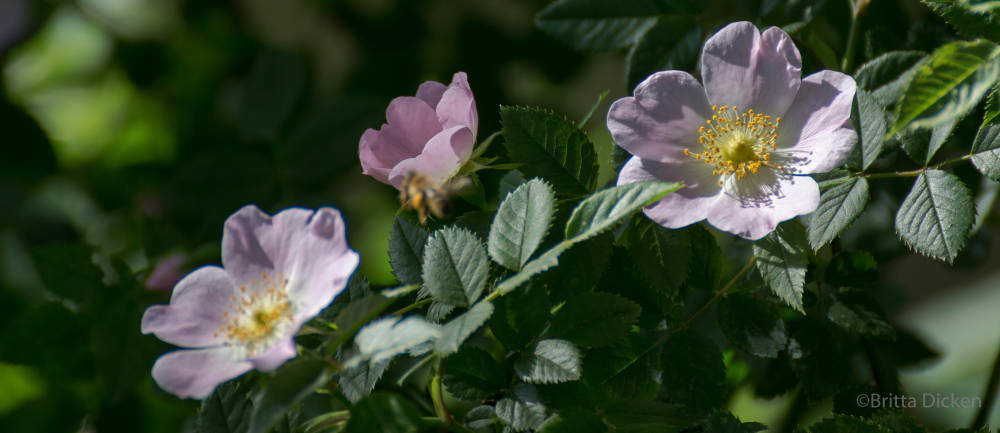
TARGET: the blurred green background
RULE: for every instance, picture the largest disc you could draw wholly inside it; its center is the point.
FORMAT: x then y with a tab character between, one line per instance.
132	128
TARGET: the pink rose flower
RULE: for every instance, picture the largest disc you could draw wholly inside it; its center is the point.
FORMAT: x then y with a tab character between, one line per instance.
432	134
745	142
278	272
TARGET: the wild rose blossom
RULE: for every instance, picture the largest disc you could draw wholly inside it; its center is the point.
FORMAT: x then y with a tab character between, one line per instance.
278	272
432	133
742	144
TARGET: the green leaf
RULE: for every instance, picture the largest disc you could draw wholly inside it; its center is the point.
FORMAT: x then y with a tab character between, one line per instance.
858	319
707	262
936	215
662	255
387	337
725	422
874	118
521	223
406	250
293	382
524	411
226	410
385	412
693	372
972	19
455	266
949	84
922	143
605	208
482	419
782	258
551	361
573	421
846	424
473	374
358	381
455	332
886	76
752	326
551	147
593	109
594	25
647	416
68	271
520	316
838	207
594	319
270	94
986	147
672	43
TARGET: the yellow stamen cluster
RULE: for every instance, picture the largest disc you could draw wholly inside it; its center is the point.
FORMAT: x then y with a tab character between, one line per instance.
737	143
257	315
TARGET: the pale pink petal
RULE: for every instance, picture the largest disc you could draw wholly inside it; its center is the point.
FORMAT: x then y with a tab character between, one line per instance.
378	155
430	92
195	310
417	121
444	154
321	265
457	106
276	355
662	119
195	373
742	68
753	207
816	135
683	207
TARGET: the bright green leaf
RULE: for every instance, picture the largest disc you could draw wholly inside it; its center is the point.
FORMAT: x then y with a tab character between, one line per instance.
521	223
936	215
975	19
886	76
455	266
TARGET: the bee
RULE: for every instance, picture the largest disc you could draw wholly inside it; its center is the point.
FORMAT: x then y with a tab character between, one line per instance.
424	195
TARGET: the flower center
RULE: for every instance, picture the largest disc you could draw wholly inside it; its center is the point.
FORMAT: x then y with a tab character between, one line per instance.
737	143
258	316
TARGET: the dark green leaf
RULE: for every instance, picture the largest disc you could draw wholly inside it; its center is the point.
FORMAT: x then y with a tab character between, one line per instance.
406	250
604	209
936	215
270	94
473	374
846	424
521	223
226	410
573	421
595	25
874	118
672	43
358	381
949	84
293	382
986	147
551	147
524	410
752	326
456	331
707	261
782	258
886	76
646	416
857	313
725	422
550	361
482	419
594	319
838	207
818	360
972	19
662	255
693	372
922	143
520	316
455	266
384	412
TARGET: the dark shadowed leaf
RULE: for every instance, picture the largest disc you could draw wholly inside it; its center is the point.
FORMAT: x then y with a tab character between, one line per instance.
385	413
594	319
752	326
693	372
473	374
672	43
293	382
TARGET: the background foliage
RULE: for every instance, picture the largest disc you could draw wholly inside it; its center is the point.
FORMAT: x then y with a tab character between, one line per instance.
133	128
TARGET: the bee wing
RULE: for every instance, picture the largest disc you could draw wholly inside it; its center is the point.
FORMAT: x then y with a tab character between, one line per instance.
460	185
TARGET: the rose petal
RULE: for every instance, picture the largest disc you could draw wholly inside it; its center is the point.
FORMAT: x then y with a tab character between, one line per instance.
195	311
817	135
417	121
458	106
378	155
662	119
441	159
195	373
430	92
752	207
276	355
743	68
680	208
322	264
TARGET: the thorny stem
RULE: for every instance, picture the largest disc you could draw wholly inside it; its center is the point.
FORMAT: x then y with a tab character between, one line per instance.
912	173
989	396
